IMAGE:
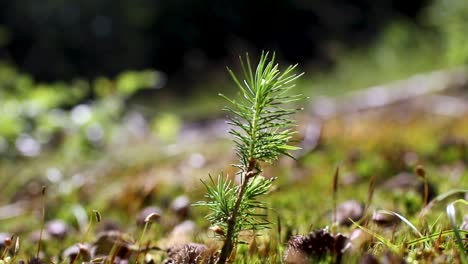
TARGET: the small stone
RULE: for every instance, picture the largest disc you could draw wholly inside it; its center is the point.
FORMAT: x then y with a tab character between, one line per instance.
146	212
57	229
107	241
77	251
347	210
71	253
184	229
181	206
406	181
385	219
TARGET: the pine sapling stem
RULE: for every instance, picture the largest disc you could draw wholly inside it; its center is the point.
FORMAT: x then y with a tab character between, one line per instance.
228	245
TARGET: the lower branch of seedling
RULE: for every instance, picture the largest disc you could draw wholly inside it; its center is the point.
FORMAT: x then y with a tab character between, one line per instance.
228	245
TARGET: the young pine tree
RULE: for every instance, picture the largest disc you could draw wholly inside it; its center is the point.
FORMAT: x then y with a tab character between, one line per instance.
262	129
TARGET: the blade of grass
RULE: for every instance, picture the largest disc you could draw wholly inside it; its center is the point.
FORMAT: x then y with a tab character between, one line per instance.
451	213
439	198
402	218
386	242
433	236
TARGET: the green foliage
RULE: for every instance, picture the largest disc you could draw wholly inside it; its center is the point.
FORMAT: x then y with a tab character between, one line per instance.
221	196
400	51
450	18
130	82
167	126
260	120
46	114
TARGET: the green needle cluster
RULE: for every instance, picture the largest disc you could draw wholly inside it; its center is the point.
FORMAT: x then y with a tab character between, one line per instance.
261	122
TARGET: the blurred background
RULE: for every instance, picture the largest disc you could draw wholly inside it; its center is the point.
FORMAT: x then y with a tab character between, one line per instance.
73	71
113	105
62	40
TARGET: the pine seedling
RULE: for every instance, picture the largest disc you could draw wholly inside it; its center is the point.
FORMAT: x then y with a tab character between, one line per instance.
262	129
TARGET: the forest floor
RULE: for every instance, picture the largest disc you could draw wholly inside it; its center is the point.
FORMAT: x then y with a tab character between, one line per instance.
402	154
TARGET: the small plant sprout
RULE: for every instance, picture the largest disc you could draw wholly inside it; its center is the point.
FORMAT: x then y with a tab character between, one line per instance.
43	193
98	217
96	214
7	245
153	217
421	172
262	129
335	194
